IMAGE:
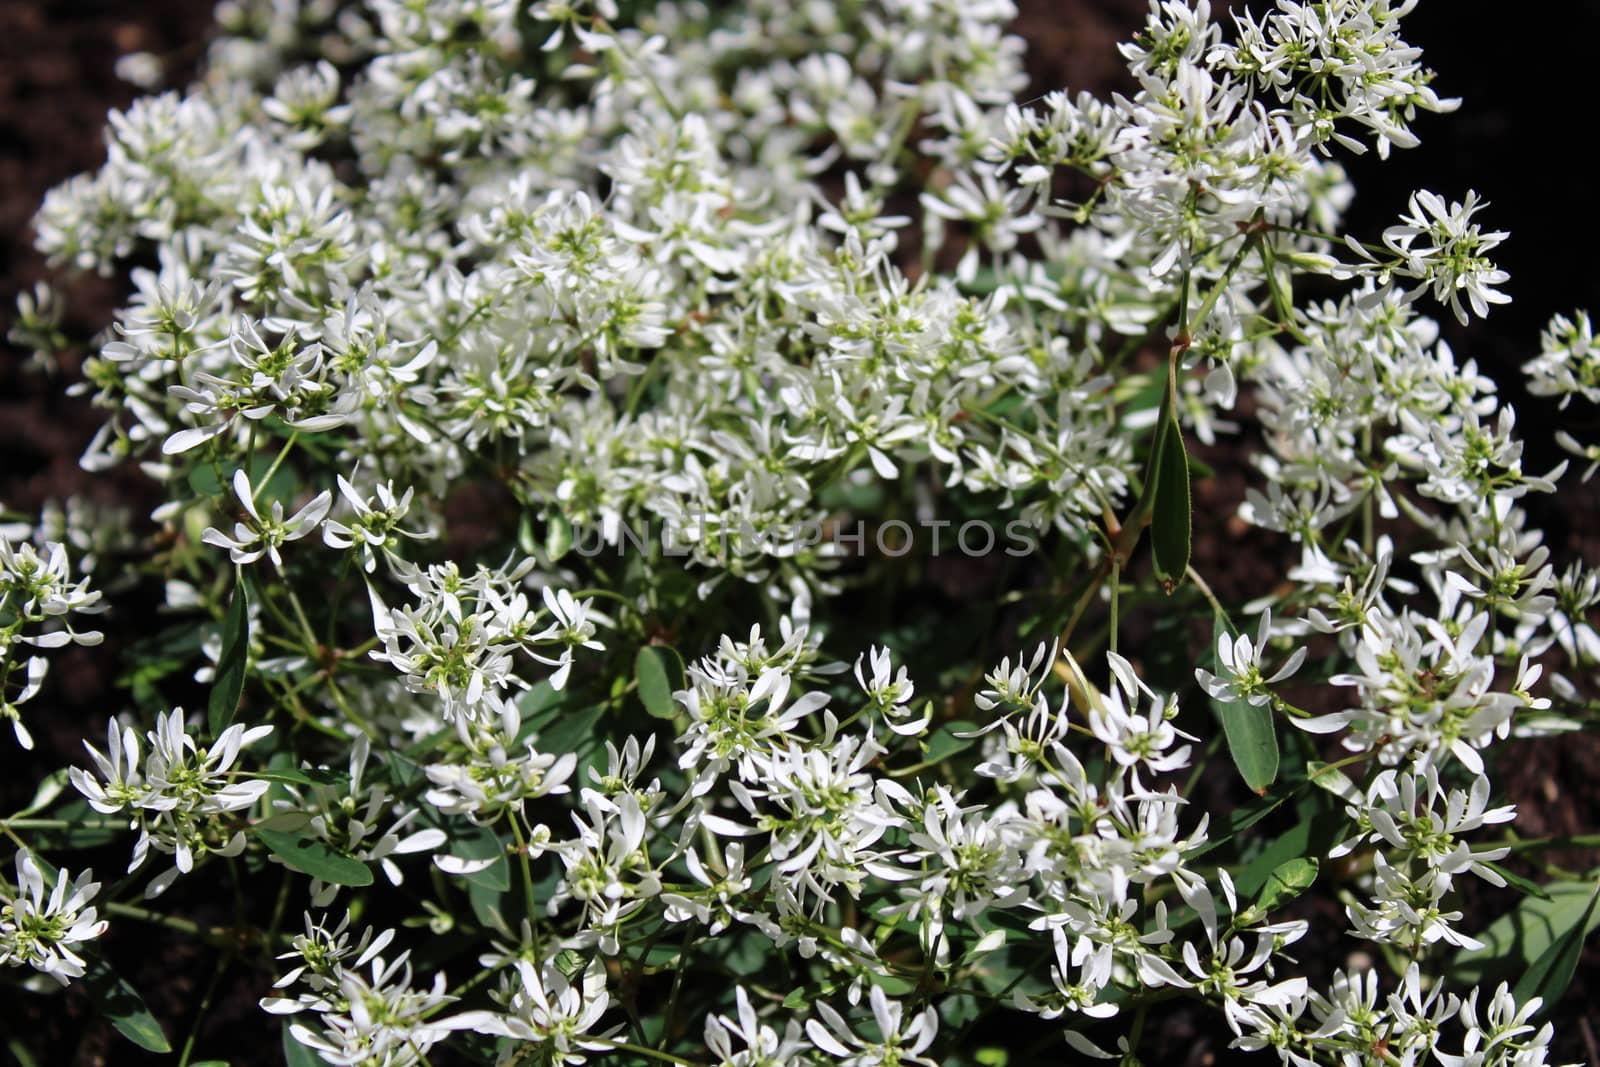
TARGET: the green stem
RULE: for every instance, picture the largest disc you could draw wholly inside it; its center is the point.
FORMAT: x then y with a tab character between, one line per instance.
62	824
215	936
641	1050
1228	272
205	1006
1575	841
530	901
1205	591
255	490
677	987
338	599
1116	588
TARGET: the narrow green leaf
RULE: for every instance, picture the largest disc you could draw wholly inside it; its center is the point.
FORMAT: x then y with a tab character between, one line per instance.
1246	816
1516	881
301	776
659	670
1288	880
229	682
1327	776
20	1053
557	538
283	485
123	1007
538	708
1552	972
1512	942
576	731
487	905
1252	742
1170	517
310	856
1251	734
944	743
51	787
85	828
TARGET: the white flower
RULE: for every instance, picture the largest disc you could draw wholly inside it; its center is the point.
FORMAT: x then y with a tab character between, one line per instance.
378	1015
969	864
1134	737
181	798
322	954
494	775
1401	809
761	1045
124	785
41	931
350	817
1439	245
890	692
259	535
552	1012
1092	962
1568	363
1242	677
898	1041
375	524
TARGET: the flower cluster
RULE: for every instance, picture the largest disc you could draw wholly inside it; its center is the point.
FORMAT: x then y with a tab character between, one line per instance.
39	592
40	926
179	797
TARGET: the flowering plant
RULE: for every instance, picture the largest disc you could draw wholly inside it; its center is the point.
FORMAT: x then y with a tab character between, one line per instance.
492	359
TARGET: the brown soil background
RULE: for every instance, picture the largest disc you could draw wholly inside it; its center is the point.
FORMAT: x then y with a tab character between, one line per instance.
1520	139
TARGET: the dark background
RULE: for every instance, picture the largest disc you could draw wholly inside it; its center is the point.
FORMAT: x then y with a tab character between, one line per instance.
1523	139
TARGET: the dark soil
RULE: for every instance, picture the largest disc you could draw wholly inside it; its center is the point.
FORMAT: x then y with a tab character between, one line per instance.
1515	141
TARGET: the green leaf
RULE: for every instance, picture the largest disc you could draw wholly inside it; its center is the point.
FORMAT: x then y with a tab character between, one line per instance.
295	1054
1327	776
1516	881
20	1053
310	856
944	743
1307	838
86	828
51	787
659	670
283	485
1517	939
1251	734
538	708
301	776
574	731
557	538
1170	514
229	682
525	540
1288	880
480	843
985	280
1246	816
1552	972
805	995
123	1007
486	905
